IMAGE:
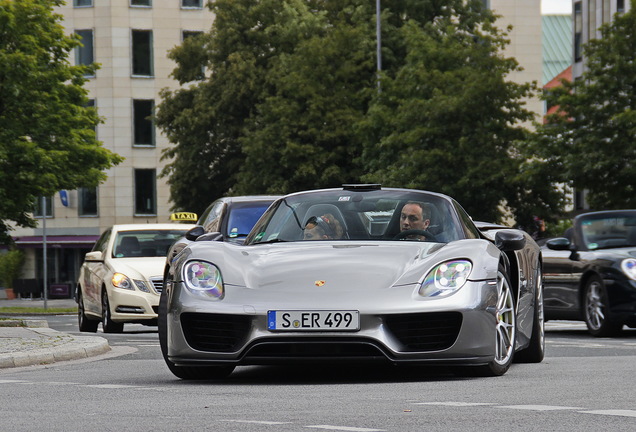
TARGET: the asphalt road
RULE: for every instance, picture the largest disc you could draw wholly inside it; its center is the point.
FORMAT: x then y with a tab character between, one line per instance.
584	384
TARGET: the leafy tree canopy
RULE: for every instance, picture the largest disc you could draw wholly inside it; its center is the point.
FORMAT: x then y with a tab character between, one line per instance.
591	141
290	102
47	138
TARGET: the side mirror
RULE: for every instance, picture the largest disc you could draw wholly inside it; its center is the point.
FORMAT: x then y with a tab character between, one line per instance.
510	240
559	243
194	233
94	256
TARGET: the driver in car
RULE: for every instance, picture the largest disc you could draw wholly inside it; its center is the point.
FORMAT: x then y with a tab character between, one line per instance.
415	216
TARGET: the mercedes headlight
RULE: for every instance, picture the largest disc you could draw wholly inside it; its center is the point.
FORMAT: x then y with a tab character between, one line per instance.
446	278
203	279
120	280
628	266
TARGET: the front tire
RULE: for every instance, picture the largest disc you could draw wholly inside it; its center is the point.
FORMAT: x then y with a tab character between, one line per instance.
596	310
535	351
108	325
184	372
85	323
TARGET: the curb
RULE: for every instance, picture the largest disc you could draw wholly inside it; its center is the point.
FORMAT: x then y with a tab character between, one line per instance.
31	342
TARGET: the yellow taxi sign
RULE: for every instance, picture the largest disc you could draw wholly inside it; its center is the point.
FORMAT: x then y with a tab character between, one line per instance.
184	217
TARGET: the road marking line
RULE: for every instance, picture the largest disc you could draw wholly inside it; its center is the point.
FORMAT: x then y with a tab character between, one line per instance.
257	422
457	404
344	428
621	413
539	407
11	381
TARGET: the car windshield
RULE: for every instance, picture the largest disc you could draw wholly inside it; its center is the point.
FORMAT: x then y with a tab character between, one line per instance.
145	243
342	215
609	230
242	218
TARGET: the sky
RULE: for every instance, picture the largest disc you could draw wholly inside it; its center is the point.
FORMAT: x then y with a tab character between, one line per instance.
556	6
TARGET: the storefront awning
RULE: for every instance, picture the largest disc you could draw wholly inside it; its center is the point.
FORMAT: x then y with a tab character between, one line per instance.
82	241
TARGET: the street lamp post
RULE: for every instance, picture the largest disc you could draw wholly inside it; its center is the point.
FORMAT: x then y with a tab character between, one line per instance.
44	268
378	38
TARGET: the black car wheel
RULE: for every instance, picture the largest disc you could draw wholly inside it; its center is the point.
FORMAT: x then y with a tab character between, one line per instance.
596	310
108	324
535	351
85	323
184	372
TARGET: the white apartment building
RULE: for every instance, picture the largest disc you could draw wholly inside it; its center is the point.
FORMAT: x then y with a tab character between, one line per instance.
129	39
588	16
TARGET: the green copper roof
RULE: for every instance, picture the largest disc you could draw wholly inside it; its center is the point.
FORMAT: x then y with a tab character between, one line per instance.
557	45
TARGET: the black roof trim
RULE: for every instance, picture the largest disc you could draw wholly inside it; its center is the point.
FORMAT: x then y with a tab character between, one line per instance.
362	187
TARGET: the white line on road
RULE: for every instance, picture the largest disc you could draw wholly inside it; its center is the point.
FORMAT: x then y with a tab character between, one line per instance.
269	423
621	413
539	407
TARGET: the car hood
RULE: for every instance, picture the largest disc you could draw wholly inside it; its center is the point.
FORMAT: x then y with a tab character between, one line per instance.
340	266
139	267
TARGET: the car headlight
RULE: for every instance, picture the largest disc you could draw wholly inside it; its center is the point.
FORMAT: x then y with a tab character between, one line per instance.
629	267
120	280
446	278
142	286
203	279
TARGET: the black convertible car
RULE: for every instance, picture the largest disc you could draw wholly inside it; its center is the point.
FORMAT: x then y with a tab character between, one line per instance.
590	272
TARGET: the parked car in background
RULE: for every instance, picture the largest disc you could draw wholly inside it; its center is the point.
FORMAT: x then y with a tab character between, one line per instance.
590	272
227	219
122	277
339	275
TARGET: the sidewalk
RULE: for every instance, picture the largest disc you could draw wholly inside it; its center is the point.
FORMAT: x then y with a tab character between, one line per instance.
26	342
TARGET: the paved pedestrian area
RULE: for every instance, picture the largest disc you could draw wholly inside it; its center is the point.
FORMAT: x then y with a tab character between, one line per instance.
26	342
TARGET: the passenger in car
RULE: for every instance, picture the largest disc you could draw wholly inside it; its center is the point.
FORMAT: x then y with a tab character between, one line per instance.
325	227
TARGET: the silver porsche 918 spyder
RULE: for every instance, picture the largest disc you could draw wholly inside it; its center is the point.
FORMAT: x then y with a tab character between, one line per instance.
356	274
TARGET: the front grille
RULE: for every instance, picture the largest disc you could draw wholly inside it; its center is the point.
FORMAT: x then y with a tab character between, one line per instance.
157	284
425	331
309	348
215	332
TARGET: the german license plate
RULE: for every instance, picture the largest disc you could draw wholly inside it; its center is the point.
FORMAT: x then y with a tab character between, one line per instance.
313	320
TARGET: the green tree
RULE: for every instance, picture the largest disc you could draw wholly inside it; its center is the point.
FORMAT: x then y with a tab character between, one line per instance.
448	118
47	138
10	267
302	135
591	141
290	102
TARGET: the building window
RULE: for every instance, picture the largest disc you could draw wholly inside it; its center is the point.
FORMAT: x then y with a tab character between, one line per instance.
84	53
578	27
82	3
142	53
190	33
144	3
48	204
185	34
192	4
143	124
487	4
591	14
607	12
91	104
87	201
620	6
145	192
